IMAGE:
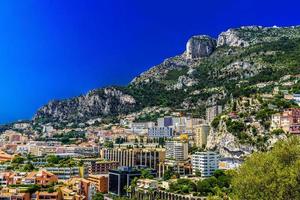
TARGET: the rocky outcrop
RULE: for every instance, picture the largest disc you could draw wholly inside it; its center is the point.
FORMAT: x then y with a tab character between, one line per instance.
158	72
197	47
96	103
228	145
200	46
250	35
231	38
183	81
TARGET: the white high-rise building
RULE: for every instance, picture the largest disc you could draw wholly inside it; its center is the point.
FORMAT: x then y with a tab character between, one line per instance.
206	162
176	150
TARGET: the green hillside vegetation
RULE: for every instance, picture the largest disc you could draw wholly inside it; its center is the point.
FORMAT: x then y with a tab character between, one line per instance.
283	59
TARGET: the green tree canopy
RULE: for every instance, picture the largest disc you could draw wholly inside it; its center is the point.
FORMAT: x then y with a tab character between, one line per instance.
270	175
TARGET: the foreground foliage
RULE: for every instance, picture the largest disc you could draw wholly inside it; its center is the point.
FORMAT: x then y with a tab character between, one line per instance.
270	175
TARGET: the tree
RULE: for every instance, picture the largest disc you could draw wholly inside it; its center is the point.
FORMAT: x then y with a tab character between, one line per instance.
183	186
33	188
28	167
145	173
198	173
53	159
108	144
98	196
270	175
18	160
168	174
278	132
50	190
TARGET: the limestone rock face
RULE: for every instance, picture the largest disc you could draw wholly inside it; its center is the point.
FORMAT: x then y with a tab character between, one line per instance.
228	145
183	81
200	46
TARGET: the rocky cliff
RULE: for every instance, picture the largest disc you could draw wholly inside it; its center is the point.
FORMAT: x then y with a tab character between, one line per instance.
96	103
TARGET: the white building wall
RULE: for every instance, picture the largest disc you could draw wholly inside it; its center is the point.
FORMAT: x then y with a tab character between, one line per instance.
206	162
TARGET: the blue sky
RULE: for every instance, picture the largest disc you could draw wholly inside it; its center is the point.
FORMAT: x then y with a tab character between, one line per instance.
53	49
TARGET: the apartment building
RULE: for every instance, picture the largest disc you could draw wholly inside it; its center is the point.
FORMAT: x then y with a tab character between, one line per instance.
65	173
160	132
201	132
141	127
5	178
5	157
69	194
102	167
206	162
100	182
176	150
150	157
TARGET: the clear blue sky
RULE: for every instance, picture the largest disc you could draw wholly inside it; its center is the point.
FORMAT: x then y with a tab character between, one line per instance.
54	49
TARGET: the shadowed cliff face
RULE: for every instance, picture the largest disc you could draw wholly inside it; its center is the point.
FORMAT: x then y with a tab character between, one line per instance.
96	103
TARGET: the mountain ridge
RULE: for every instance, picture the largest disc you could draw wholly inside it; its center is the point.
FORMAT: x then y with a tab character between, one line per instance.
202	75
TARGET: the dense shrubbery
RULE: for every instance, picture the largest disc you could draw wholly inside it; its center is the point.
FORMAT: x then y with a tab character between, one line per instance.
235	127
216	121
173	75
218	184
61	162
70	137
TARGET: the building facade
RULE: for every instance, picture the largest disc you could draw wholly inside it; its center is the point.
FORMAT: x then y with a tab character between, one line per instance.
130	157
206	162
64	173
102	167
160	132
176	150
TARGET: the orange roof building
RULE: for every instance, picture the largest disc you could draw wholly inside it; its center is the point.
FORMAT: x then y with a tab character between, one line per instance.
41	177
5	157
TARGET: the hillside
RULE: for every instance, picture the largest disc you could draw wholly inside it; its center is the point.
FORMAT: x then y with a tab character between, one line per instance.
210	71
